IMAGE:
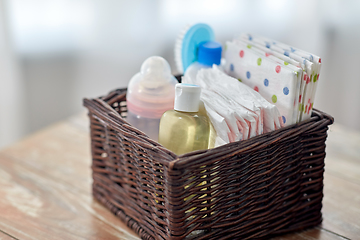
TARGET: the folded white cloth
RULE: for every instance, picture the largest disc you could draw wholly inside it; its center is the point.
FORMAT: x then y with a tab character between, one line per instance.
285	62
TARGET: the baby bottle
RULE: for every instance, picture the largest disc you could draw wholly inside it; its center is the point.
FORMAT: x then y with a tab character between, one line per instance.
150	93
184	129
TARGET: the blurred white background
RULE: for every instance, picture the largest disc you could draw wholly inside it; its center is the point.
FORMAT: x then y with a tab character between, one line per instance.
53	53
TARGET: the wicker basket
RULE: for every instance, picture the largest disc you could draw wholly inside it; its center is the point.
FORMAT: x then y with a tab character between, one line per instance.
267	185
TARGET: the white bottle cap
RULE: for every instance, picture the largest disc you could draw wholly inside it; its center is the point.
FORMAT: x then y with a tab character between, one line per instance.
187	97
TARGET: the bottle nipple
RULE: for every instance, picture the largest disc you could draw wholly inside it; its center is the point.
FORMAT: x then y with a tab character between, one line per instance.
151	91
155	72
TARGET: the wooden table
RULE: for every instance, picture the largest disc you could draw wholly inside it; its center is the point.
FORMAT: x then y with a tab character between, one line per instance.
45	188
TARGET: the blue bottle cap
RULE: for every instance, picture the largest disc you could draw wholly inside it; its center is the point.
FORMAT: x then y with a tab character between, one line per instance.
209	53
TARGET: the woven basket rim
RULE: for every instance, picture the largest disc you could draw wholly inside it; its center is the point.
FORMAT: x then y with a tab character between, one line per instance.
100	104
258	140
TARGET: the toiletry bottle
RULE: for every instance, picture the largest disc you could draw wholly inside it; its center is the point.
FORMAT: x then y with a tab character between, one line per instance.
150	93
209	53
183	129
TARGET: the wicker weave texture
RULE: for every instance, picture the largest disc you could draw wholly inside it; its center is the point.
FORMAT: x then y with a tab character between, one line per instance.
267	185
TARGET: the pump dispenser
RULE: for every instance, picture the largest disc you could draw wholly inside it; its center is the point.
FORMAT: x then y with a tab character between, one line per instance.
183	129
150	93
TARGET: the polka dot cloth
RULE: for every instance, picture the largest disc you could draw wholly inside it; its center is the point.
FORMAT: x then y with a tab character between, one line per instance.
283	61
310	63
279	86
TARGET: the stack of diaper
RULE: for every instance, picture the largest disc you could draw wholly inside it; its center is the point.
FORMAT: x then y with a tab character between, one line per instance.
236	111
283	75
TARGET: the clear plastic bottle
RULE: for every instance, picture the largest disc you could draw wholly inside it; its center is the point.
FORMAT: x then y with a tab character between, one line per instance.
209	53
150	93
184	129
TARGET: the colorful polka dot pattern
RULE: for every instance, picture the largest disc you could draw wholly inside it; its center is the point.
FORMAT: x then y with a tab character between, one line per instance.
311	65
315	78
278	68
241	53
286	90
252	68
274	98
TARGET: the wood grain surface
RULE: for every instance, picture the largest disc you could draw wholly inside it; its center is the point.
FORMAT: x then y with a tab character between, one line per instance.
5	236
45	188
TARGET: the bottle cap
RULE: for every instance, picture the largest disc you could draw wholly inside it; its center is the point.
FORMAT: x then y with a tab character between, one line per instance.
151	91
187	97
209	53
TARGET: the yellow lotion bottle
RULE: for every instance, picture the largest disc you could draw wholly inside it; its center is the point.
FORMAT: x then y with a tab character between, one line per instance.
184	129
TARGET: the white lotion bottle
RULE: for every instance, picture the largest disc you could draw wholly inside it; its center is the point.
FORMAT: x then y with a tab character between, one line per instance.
209	53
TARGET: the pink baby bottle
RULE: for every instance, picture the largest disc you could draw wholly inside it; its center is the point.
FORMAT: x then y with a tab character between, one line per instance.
150	93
